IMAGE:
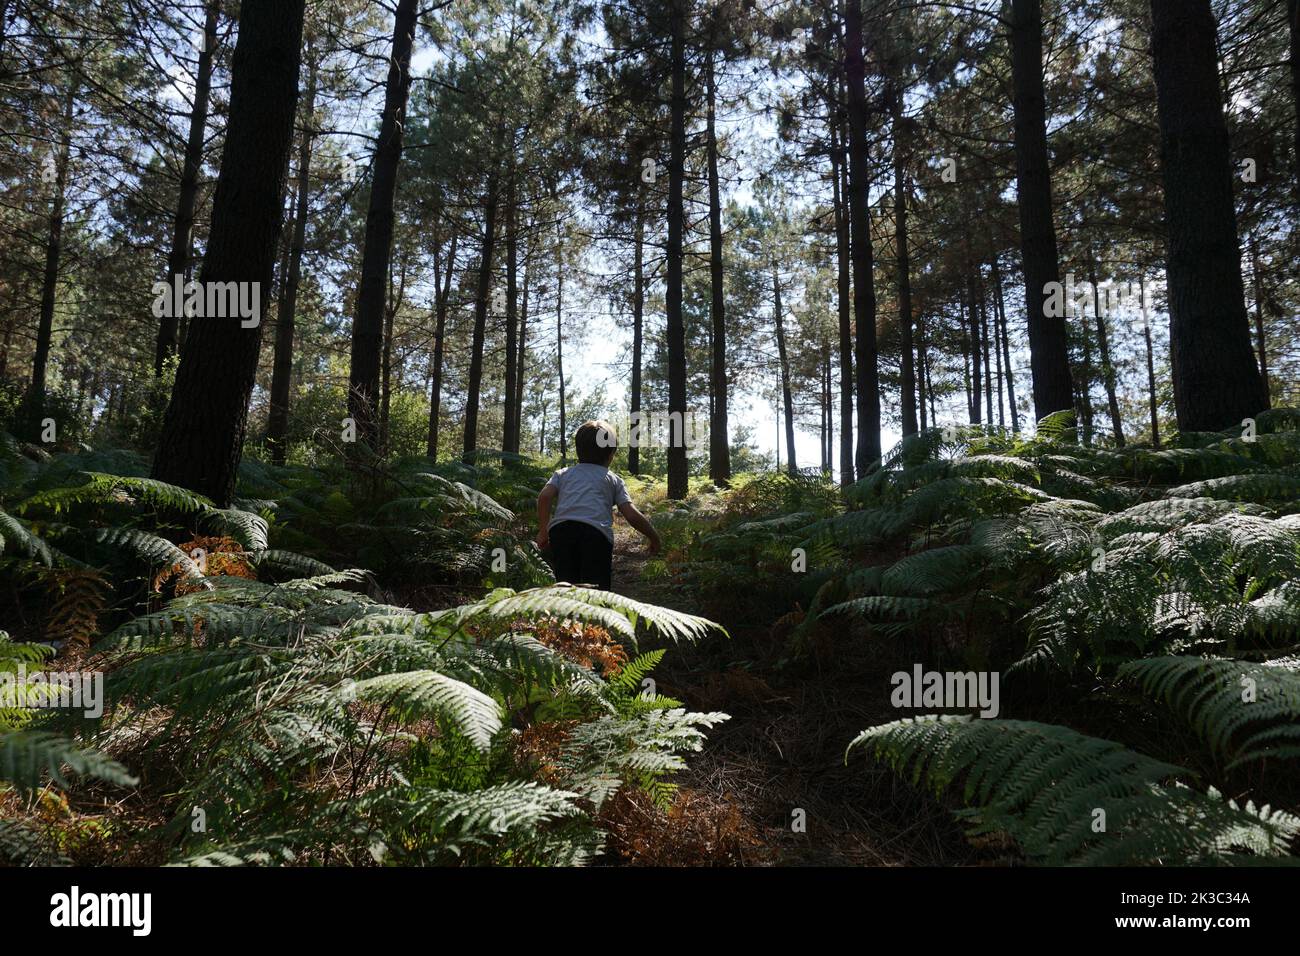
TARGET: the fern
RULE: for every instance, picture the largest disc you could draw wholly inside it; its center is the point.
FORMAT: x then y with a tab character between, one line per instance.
28	756
1221	699
1053	789
426	692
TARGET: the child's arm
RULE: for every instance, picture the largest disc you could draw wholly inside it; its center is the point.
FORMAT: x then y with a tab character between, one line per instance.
544	501
639	521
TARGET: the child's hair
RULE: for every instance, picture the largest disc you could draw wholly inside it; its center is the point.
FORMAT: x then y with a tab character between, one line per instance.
596	442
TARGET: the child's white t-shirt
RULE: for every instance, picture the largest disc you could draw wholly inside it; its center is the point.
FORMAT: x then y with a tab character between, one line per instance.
588	493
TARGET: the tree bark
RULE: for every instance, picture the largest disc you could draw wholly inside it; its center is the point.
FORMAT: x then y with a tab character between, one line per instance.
1084	384
864	296
518	398
908	398
828	415
971	410
676	329
787	398
386	376
1261	340
1216	382
719	444
559	339
1293	20
510	436
368	326
984	344
469	447
442	295
1151	385
1006	347
844	294
178	260
53	253
976	371
1107	366
205	422
1049	354
277	424
997	372
638	309
921	386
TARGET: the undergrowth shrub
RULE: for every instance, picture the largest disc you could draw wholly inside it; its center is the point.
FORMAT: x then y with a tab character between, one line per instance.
1148	592
273	710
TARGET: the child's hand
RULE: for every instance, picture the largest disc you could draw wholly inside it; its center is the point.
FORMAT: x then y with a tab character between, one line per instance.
654	544
543	539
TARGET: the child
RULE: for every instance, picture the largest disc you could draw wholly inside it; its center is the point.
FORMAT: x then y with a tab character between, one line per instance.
581	535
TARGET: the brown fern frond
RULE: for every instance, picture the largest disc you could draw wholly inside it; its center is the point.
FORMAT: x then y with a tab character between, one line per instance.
79	597
221	557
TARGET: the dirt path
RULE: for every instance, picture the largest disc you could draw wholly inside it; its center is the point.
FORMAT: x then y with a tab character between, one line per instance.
780	758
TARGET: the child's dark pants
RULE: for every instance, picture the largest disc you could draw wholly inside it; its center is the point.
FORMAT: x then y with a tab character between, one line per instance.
581	554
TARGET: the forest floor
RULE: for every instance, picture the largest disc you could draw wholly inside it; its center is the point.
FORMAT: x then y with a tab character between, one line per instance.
783	750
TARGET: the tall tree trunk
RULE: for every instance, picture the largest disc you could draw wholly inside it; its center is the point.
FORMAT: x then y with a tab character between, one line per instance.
53	253
778	438
1049	350
559	339
921	387
929	390
510	435
1261	340
676	328
638	309
368	326
1216	381
997	361
277	424
719	444
787	398
521	361
1293	19
844	294
983	336
864	296
976	352
908	398
386	374
178	260
971	409
1107	366
1006	347
442	295
1084	384
1151	384
204	425
828	415
469	447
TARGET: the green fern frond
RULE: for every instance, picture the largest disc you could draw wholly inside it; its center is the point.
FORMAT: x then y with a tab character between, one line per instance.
28	756
1259	488
15	535
1068	798
429	693
149	550
1220	699
249	529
